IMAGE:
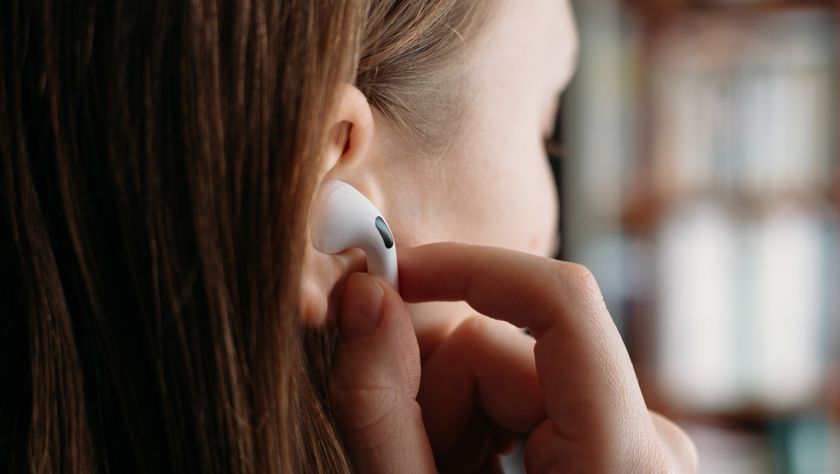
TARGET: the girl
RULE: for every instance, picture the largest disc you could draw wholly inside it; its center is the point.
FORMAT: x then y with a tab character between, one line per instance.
162	306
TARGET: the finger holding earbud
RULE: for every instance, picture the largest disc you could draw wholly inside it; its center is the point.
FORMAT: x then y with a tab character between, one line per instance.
375	379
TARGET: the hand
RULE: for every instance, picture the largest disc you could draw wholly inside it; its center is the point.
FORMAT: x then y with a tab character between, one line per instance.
374	381
594	419
578	400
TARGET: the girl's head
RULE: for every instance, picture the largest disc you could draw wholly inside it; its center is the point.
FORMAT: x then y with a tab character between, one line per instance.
158	162
445	132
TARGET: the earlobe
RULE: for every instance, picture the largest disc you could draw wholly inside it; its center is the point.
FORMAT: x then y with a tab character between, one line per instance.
313	298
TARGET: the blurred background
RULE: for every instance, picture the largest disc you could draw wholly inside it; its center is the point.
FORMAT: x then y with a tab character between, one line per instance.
701	185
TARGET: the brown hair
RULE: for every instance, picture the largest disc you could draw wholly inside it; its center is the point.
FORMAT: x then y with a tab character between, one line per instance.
158	160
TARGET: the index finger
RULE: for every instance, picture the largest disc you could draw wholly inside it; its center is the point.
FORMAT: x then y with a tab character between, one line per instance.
587	379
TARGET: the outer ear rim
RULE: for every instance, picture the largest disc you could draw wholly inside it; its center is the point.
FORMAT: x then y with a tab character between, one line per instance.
352	113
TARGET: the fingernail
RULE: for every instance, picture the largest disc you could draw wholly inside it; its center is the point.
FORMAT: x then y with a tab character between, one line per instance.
361	307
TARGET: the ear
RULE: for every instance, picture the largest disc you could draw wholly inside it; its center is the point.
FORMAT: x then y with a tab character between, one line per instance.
347	157
350	129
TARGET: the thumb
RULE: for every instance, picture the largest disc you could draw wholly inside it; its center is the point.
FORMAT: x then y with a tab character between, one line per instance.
375	379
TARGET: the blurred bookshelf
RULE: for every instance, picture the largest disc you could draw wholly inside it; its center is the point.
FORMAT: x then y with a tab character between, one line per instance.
702	187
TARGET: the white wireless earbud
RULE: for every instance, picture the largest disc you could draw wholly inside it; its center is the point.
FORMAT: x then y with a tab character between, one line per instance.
344	218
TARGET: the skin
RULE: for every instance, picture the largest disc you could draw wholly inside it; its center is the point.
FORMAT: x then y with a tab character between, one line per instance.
439	376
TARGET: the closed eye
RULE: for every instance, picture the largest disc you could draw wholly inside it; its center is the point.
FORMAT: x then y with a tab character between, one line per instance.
555	151
552	136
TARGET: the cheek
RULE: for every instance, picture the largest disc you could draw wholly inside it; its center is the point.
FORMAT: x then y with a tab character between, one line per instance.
509	200
534	206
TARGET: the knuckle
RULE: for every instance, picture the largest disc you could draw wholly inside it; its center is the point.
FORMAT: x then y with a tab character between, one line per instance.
490	332
694	456
476	327
580	281
680	448
685	452
582	289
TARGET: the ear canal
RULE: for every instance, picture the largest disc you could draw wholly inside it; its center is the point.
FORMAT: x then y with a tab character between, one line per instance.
344	218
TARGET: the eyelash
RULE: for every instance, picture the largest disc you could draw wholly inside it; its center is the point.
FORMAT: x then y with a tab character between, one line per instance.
554	149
